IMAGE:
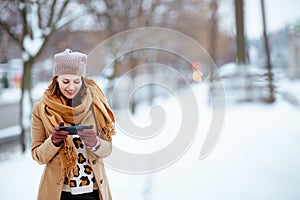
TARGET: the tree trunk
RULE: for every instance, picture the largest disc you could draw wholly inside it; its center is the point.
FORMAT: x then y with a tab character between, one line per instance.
26	87
271	97
240	32
213	34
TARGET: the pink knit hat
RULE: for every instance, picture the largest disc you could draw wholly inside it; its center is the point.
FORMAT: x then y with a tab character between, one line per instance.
69	62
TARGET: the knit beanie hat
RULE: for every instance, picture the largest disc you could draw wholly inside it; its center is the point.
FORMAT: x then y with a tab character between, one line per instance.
69	62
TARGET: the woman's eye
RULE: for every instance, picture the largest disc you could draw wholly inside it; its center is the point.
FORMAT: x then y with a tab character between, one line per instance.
65	82
76	82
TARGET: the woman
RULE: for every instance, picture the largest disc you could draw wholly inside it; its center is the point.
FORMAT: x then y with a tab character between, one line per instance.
74	167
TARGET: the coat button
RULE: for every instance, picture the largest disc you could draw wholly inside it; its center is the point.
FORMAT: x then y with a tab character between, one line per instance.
94	161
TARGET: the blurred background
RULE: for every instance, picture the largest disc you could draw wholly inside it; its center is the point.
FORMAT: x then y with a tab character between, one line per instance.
255	46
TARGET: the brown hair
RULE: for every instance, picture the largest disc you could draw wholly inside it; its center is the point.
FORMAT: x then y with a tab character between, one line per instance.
53	87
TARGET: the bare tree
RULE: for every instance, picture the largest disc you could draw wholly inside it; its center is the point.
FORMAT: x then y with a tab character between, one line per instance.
240	32
213	36
271	97
116	16
31	24
213	5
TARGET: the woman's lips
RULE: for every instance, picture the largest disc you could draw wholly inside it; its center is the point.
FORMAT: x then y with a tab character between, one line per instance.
70	92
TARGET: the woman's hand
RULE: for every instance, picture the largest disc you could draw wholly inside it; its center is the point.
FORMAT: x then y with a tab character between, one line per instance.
58	136
89	137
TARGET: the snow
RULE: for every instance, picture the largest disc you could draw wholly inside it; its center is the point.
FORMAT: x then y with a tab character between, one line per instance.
10	131
32	44
10	95
257	157
24	176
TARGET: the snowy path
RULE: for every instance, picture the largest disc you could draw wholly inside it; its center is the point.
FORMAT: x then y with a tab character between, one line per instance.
257	157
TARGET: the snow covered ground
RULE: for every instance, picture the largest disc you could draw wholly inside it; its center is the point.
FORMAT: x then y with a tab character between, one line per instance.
257	157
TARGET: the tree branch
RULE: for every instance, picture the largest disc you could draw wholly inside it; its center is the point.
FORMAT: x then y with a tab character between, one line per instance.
46	38
70	19
51	13
39	14
60	13
6	27
23	12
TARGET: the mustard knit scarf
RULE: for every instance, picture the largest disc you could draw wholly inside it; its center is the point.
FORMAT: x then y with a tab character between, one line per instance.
54	110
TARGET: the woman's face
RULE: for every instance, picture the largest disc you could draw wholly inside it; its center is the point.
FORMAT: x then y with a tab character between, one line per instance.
69	85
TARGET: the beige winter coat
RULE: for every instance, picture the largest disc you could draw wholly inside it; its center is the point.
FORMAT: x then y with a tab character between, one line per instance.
45	152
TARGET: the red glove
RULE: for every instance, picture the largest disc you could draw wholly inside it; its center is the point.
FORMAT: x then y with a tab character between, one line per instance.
58	136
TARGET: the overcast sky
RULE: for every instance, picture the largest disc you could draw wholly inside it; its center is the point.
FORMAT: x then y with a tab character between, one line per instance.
278	12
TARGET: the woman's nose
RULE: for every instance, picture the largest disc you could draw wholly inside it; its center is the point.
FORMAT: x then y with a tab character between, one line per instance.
71	86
